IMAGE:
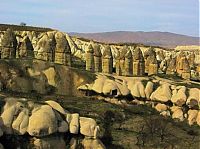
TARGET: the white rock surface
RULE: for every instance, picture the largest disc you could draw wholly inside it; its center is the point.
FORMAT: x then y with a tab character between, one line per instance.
194	98
20	124
88	127
162	93
123	88
99	84
148	89
138	90
179	98
56	106
73	121
161	107
109	87
42	122
177	113
192	116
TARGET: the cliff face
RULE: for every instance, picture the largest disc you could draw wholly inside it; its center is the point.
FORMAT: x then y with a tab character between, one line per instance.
36	76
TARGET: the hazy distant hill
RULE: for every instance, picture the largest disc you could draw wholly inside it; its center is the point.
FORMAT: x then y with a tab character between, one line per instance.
164	39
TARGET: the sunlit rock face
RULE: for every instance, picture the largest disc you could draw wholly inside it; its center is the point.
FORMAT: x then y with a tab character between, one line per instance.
9	44
151	63
107	60
138	63
89	55
25	49
62	50
182	66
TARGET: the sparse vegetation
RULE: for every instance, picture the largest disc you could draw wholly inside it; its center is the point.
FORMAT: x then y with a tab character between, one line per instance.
4	27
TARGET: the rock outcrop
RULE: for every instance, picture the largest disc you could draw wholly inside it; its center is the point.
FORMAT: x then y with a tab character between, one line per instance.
138	63
62	50
21	116
107	60
89	58
9	45
162	93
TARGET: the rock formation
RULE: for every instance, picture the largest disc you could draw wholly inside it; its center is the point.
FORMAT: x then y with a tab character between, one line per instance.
45	48
120	61
9	45
62	50
191	60
182	67
89	58
25	49
97	58
128	64
171	69
138	63
45	119
107	60
151	63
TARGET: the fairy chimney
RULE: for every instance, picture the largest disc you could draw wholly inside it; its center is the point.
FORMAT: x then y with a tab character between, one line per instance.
9	44
89	57
107	60
45	49
128	64
191	60
151	63
62	50
25	49
138	63
120	61
171	68
184	69
97	58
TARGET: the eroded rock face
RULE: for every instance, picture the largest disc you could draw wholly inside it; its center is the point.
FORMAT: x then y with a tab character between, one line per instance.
107	60
73	121
9	115
42	122
161	107
25	49
62	50
45	49
182	67
177	113
179	98
56	106
151	64
88	127
138	90
97	58
9	44
170	68
192	116
89	58
193	100
138	63
149	89
20	124
128	64
110	88
162	93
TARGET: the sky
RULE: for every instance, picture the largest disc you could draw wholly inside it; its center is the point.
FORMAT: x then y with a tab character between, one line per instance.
177	16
